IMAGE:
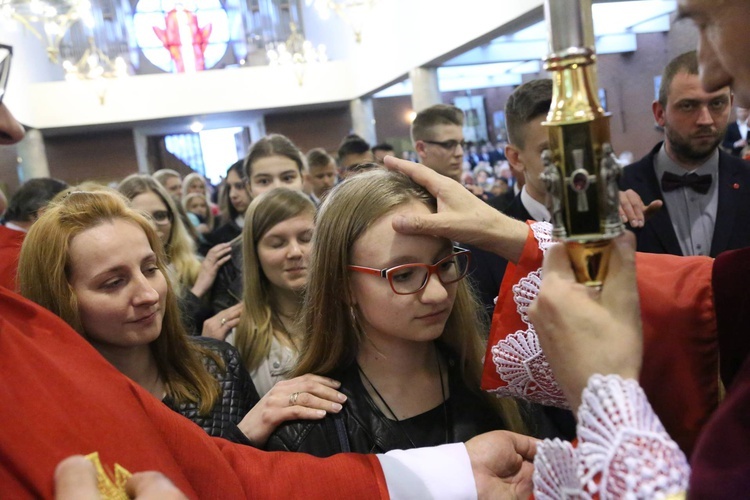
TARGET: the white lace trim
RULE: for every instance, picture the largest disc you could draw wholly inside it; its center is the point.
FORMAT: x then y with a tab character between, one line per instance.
524	293
623	452
543	234
519	360
556	472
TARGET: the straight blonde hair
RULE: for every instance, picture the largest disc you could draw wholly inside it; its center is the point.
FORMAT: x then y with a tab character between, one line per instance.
258	323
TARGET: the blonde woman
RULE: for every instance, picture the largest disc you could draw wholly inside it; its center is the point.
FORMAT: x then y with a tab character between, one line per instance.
276	244
390	316
198	209
100	266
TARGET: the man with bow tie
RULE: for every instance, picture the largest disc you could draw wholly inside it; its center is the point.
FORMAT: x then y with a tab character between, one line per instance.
706	192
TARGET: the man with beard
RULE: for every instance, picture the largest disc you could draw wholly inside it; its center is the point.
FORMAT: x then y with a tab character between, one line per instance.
705	191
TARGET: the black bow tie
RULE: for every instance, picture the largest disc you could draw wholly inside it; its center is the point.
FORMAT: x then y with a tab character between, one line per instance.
698	183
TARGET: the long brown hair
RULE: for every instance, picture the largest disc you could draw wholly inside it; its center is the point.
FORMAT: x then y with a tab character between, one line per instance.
258	325
44	271
332	332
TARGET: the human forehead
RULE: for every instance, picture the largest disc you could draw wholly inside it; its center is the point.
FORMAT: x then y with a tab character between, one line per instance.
101	247
148	200
233	177
291	226
329	168
381	244
446	132
535	135
271	165
687	86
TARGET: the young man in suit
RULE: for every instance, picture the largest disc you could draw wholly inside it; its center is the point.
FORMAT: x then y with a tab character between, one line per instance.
735	139
706	192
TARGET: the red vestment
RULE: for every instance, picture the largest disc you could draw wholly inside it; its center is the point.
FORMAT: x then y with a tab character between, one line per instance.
60	398
10	248
680	371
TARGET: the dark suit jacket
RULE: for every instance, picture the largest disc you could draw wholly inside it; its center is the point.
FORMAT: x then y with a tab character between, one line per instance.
732	135
732	229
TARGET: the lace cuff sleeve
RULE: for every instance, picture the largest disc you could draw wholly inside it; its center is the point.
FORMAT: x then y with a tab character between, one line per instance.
623	449
515	356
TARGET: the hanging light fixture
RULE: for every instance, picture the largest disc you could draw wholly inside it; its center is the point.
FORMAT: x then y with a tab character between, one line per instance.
95	65
353	12
296	52
54	16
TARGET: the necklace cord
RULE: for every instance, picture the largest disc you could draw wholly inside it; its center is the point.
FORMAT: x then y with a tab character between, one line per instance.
393	414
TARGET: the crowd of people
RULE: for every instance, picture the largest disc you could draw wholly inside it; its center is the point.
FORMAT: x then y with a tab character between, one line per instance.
321	317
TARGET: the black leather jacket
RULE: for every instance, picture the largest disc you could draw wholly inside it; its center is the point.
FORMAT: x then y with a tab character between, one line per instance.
227	288
367	430
237	396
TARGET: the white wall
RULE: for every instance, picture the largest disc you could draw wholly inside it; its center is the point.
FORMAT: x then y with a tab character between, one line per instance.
400	35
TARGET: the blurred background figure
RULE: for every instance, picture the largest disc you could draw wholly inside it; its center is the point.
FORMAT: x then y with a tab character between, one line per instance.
24	208
353	151
321	173
380	151
172	182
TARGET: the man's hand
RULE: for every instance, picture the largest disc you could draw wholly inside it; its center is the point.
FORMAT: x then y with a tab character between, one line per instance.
502	464
461	216
75	479
634	211
583	331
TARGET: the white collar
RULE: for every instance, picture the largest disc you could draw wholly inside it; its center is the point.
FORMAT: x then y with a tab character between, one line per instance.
537	211
14	227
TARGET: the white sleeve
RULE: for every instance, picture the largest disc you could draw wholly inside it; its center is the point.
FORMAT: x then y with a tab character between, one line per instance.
623	450
440	472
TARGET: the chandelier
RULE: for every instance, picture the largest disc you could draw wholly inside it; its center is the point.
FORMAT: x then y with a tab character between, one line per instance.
295	52
353	12
54	16
95	65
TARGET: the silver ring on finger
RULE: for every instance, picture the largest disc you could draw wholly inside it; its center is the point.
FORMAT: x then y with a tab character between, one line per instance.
293	398
223	321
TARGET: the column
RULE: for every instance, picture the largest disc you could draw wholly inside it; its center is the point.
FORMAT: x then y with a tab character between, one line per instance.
363	119
32	157
425	90
141	151
257	128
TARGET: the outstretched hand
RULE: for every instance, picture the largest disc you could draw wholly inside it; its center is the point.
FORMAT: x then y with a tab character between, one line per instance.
583	331
461	216
308	397
502	463
634	211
